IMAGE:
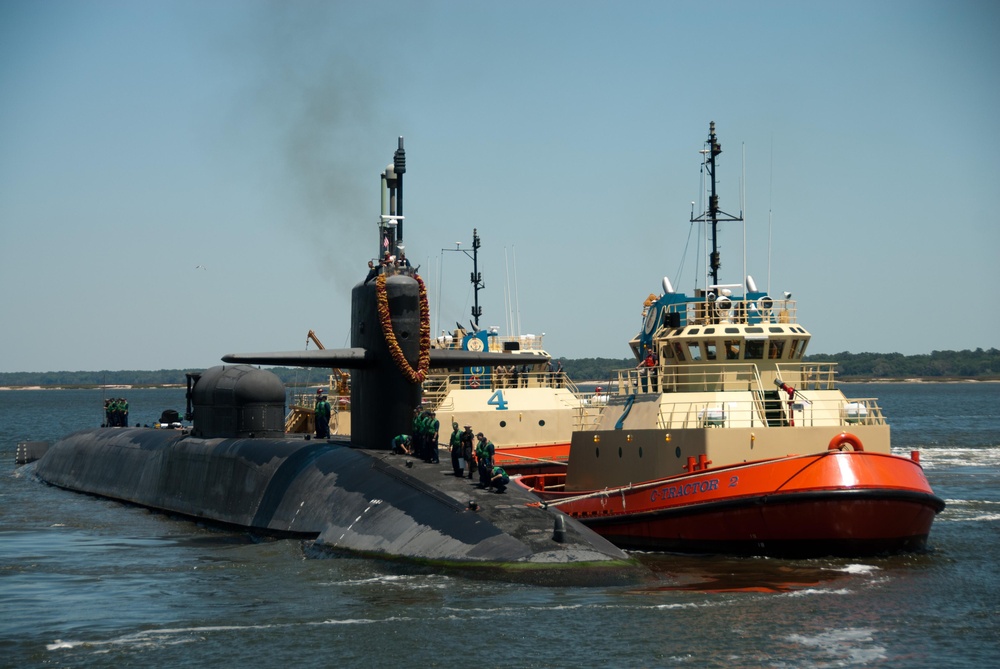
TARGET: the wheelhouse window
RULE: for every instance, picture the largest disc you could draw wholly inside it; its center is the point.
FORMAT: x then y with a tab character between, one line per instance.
775	348
694	351
710	350
798	346
754	349
733	349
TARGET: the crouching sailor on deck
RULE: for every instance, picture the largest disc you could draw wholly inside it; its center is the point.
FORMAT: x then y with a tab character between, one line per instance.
499	480
401	445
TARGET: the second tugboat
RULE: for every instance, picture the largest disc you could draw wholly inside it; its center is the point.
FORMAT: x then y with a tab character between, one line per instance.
724	440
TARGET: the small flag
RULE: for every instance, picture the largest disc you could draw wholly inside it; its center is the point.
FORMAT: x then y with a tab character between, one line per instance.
385	242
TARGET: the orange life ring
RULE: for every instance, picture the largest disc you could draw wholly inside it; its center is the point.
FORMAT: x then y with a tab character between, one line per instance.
845	441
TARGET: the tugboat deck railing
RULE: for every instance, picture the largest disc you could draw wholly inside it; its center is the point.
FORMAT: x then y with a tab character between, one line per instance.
755	400
699	311
753	413
437	386
497	343
723	377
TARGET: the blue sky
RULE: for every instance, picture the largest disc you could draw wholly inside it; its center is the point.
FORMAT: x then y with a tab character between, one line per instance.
139	140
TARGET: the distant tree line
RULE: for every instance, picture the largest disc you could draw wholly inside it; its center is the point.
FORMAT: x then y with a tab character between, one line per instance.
979	364
942	365
291	376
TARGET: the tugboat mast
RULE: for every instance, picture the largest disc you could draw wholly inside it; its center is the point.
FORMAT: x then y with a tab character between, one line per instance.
477	280
714	215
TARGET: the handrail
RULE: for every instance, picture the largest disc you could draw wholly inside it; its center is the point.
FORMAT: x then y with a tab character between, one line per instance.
700	311
673	383
722	377
715	413
497	343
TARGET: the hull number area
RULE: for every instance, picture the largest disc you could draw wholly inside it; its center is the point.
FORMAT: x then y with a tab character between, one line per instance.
497	400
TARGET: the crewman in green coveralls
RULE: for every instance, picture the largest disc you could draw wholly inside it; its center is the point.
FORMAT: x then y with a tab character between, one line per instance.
401	445
433	430
456	450
484	456
323	413
499	480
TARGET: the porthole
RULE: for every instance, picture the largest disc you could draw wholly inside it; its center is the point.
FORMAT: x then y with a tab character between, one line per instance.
619	451
597	452
677	452
503	423
640	451
541	423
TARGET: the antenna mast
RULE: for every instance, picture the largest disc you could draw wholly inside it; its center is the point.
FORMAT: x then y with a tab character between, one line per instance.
477	276
714	215
477	279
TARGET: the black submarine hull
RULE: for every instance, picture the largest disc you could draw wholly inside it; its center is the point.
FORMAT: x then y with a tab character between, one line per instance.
344	499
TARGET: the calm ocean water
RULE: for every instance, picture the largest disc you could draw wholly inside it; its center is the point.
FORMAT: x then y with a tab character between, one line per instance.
90	582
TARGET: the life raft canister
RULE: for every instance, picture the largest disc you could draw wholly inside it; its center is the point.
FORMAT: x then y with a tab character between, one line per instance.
845	441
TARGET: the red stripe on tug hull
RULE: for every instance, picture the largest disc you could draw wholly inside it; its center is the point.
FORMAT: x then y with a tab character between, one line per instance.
845	523
830	503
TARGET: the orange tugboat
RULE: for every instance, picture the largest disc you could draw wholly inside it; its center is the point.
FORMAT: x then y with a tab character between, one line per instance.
724	440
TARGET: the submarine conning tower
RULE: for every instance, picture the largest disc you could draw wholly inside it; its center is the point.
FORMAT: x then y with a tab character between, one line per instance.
241	401
383	398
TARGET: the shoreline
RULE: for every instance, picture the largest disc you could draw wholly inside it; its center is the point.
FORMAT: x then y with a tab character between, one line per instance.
147	386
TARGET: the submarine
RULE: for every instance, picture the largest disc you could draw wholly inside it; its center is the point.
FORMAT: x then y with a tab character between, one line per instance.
236	467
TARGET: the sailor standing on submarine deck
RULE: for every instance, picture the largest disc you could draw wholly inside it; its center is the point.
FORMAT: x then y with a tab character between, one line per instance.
455	441
484	456
467	449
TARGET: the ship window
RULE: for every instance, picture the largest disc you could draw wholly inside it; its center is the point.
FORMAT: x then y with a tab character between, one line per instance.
732	330
732	349
503	423
693	351
709	330
755	349
709	349
800	346
679	351
541	423
694	331
775	349
755	330
775	329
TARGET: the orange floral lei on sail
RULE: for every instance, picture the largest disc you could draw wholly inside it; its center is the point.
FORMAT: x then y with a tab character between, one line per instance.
385	318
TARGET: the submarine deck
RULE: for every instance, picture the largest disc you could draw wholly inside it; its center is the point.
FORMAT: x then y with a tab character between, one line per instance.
515	511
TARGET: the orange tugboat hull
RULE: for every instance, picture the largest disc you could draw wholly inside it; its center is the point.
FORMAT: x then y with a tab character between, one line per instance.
532	459
831	503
